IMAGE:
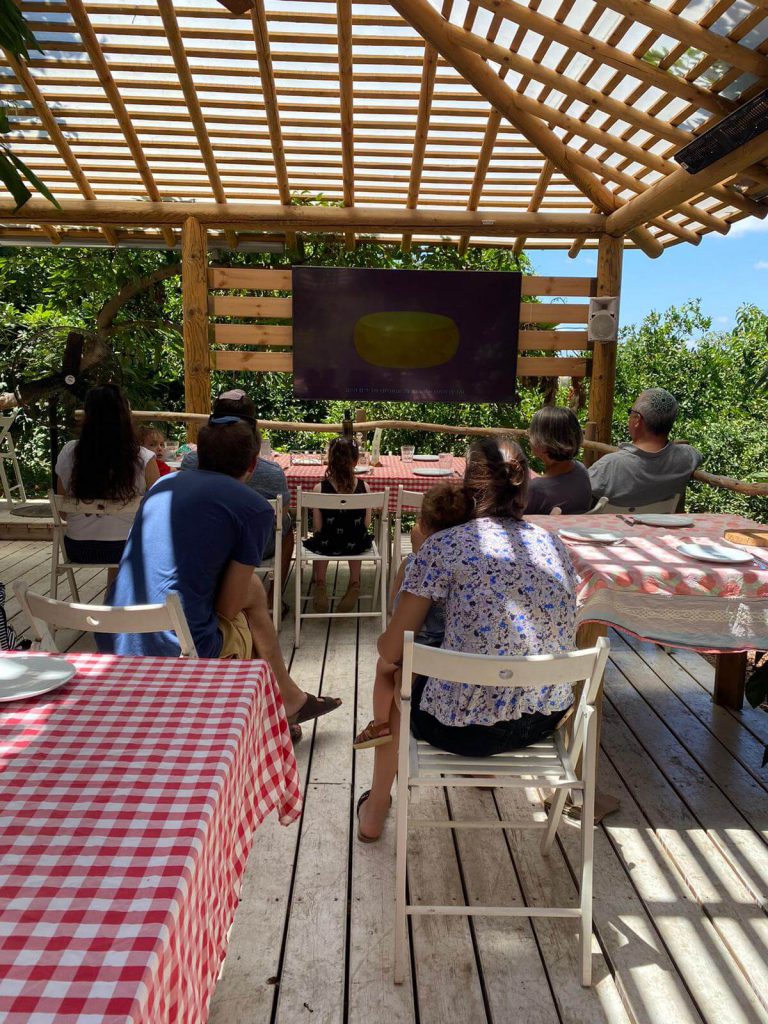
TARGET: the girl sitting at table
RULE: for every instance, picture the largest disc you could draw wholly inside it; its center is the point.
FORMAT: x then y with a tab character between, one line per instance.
107	463
444	506
152	438
339	531
555	438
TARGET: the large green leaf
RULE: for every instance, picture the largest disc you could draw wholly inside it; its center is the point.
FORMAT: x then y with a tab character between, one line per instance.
12	180
33	179
15	35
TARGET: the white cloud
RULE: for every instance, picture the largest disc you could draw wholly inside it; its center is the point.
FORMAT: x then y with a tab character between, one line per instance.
747	226
722	319
761	265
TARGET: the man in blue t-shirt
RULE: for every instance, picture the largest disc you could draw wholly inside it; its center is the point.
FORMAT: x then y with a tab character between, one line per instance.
201	535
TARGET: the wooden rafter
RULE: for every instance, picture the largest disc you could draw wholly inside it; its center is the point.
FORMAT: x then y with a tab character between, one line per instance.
433	29
346	105
178	52
55	134
101	67
681	186
426	92
542	185
271	107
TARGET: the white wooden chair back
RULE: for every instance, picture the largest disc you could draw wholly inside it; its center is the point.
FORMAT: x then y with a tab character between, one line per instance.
548	763
669	505
377	502
271	568
411	500
63	506
45	615
8	459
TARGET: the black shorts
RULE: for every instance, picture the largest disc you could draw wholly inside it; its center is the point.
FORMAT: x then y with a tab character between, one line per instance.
478	740
94	551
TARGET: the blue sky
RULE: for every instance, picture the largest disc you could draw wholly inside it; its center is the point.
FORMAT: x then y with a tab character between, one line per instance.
724	271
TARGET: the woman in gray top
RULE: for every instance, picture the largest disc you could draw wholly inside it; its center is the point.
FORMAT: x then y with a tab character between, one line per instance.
555	438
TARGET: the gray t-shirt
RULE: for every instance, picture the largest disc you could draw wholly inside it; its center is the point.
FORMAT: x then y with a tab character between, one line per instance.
632	476
571	492
268	480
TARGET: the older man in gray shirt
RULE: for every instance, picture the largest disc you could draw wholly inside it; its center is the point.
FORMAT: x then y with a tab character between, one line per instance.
650	468
267	479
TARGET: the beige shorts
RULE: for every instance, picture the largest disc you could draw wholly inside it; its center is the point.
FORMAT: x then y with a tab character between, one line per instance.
237	641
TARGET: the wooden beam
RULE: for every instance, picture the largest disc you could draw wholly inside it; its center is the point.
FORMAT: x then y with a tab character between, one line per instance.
346	106
55	134
194	297
269	94
104	75
265	217
681	186
178	52
439	32
624	62
603	382
691	34
538	194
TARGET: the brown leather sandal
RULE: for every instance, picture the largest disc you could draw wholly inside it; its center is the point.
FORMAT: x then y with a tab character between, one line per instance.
375	734
314	707
361	835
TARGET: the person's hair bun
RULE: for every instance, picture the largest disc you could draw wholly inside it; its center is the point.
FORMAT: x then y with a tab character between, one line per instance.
516	471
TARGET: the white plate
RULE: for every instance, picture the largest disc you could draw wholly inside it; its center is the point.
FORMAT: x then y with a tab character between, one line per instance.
428	471
671	521
715	553
32	674
592	536
362	469
426	458
306	462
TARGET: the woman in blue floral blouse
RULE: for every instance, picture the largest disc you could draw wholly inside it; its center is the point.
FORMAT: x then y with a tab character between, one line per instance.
507	588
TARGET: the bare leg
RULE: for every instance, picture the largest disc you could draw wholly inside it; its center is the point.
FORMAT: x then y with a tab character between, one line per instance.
319	569
354	573
384	689
267	646
374	810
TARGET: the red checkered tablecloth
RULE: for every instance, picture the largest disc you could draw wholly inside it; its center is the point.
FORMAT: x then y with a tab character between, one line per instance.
128	802
647	586
392	473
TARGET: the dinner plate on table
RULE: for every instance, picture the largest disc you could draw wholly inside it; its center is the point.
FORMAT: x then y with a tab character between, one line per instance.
715	553
362	469
429	471
669	519
426	458
32	675
306	462
592	535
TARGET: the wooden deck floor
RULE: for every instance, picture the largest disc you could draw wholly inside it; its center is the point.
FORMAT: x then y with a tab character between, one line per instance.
681	932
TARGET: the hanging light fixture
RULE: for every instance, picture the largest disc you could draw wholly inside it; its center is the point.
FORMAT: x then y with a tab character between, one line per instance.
238	7
735	130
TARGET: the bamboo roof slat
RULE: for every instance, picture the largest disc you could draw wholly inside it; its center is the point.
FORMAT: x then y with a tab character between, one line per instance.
346	99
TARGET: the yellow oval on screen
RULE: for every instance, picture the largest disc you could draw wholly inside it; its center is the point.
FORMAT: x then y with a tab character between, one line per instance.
407	340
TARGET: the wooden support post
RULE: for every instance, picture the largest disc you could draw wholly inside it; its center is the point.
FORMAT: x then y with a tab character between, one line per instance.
730	675
194	292
601	388
590	434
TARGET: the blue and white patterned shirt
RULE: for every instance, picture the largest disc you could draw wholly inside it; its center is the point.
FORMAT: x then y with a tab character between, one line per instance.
508	588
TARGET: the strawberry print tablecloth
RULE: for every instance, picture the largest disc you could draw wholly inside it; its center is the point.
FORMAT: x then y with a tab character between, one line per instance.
128	803
646	586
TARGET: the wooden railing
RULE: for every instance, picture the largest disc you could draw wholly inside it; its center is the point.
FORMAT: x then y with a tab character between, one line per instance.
758	490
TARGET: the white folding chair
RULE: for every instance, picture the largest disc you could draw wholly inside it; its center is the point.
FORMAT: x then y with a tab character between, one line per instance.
271	568
45	615
548	763
668	505
61	563
378	503
405	500
8	456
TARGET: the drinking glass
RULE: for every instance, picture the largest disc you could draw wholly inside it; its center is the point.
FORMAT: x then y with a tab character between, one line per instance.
406	452
446	460
171	449
363	458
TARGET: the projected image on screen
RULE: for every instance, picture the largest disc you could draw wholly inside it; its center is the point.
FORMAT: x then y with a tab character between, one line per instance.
405	335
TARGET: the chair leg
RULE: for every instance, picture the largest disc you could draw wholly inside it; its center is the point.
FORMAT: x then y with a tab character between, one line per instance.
401	849
555	813
383	599
4	482
297	590
587	849
73	586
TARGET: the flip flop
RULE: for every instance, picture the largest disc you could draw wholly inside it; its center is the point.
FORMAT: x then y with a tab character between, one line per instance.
315	707
361	835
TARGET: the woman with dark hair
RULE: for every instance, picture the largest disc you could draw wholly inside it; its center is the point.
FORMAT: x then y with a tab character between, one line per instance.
555	438
339	532
507	588
106	463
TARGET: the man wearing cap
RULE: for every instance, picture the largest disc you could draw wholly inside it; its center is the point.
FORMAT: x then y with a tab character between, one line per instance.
267	479
201	535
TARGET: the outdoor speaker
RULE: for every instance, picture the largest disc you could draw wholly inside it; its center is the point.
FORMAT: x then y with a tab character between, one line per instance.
735	130
603	323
